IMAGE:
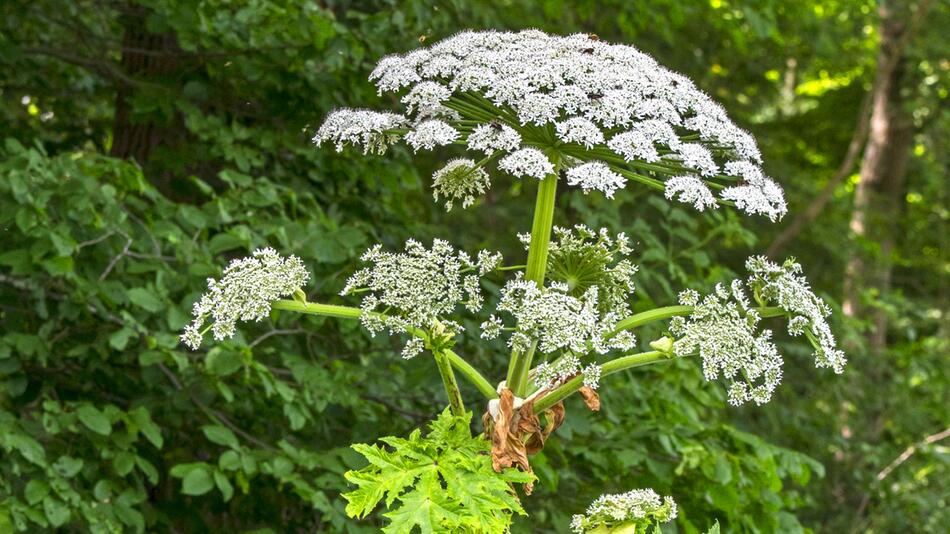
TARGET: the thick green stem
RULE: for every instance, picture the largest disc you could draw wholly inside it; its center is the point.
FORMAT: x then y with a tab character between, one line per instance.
347	312
666	312
614	366
448	381
312	308
520	362
472	375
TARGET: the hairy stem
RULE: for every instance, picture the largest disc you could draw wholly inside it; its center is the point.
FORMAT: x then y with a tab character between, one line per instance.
448	381
520	362
624	362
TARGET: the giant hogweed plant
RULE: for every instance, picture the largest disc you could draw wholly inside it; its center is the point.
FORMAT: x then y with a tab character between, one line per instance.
566	114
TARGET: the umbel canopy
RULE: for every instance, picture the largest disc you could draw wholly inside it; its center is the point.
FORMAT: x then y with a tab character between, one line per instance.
600	115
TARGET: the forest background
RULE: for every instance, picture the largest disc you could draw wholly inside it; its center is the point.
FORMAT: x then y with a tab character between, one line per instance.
143	143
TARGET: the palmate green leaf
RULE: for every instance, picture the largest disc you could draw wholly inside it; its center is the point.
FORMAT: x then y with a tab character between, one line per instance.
443	482
426	506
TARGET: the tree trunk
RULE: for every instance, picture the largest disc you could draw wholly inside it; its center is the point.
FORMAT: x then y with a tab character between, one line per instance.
149	59
879	194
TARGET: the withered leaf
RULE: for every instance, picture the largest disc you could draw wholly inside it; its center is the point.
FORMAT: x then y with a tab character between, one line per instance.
591	398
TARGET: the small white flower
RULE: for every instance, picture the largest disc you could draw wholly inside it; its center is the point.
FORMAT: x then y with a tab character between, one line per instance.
430	134
579	130
787	288
527	162
491	328
426	95
616	510
413	348
489	138
697	157
690	190
592	376
596	175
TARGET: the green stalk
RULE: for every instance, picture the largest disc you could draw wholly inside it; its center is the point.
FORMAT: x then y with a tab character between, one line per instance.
472	375
448	381
611	367
348	312
312	308
649	316
520	362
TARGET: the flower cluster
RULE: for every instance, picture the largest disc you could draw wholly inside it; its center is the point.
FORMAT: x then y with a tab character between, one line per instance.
557	320
723	329
459	180
786	287
417	288
372	130
635	508
550	374
245	292
598	110
583	258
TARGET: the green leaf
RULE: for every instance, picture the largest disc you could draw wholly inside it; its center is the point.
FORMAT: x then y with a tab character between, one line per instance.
713	529
229	460
221	436
197	482
94	419
36	490
123	463
224	485
68	466
147	427
144	298
56	511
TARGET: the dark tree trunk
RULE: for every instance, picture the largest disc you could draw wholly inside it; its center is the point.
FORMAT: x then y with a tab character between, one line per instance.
151	60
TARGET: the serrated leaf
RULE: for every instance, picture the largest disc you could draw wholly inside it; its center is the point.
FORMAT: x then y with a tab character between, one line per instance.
426	506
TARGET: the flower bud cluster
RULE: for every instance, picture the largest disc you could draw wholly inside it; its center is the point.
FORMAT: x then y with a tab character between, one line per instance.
635	508
785	287
245	292
413	290
723	329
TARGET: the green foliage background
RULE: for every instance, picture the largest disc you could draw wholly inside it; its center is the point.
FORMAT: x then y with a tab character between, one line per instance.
107	424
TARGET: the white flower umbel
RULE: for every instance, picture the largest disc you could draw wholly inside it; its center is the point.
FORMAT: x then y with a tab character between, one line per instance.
557	320
723	330
758	194
579	130
244	293
784	286
489	138
635	508
527	162
415	289
459	180
575	100
430	134
690	190
595	175
360	127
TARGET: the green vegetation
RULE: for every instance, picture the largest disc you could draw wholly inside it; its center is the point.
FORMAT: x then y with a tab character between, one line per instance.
146	143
